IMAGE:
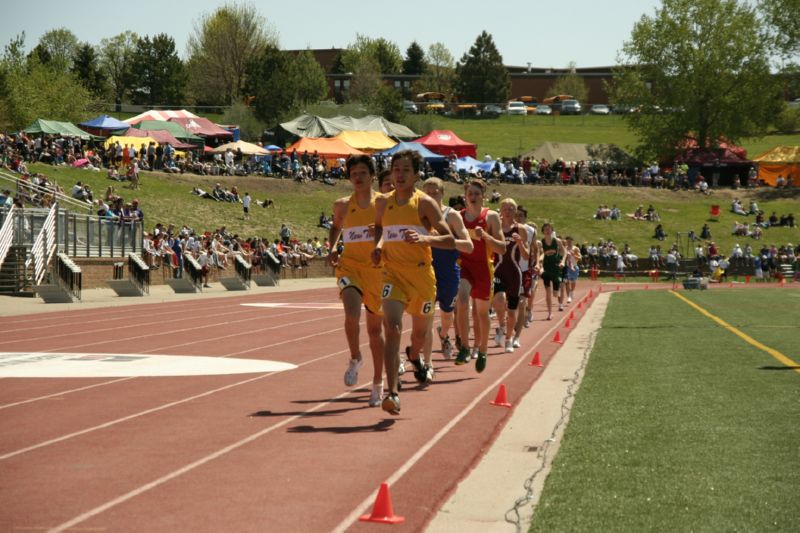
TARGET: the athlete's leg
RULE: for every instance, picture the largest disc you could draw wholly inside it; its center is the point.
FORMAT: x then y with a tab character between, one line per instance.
351	299
499	303
376	345
482	325
393	324
462	312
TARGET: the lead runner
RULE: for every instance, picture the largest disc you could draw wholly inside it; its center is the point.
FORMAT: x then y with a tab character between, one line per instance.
404	219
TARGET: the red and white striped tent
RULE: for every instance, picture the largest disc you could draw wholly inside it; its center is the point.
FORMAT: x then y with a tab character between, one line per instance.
163	114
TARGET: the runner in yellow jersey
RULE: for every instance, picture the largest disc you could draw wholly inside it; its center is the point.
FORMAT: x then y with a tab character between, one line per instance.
407	223
358	279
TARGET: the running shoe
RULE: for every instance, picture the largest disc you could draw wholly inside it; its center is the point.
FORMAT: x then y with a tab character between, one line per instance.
429	373
463	356
391	404
376	394
569	299
419	370
402	368
560	307
351	374
499	337
492	313
528	318
480	362
458	342
516	343
474	354
447	348
509	346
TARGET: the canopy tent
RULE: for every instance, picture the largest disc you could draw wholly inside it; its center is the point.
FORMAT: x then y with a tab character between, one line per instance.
565	151
472	165
175	129
329	148
161	137
54	127
103	125
780	161
718	166
163	115
368	141
202	127
446	142
691	144
315	126
136	142
245	147
426	154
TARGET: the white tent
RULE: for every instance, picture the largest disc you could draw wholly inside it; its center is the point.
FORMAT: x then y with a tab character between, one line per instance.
246	148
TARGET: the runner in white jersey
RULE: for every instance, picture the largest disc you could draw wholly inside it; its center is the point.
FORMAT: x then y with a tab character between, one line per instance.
530	275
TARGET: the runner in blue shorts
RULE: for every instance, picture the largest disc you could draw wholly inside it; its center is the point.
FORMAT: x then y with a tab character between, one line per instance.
448	272
572	269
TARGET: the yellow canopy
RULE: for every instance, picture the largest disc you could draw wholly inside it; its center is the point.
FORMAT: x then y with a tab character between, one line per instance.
247	148
367	141
136	142
780	161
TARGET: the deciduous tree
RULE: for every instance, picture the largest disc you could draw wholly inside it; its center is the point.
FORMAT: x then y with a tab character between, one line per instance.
57	48
116	57
570	84
440	72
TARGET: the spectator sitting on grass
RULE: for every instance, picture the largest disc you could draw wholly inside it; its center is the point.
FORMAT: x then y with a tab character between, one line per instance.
324	221
740	229
652	214
602	213
659	233
705	232
638	214
197	191
736	207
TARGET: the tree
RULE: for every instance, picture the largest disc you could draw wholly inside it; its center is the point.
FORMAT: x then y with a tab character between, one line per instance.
385	53
366	80
57	48
116	57
414	63
283	82
86	67
481	75
222	46
158	76
571	84
696	69
250	127
782	27
440	72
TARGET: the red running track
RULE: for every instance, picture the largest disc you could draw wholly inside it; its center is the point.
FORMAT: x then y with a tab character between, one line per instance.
289	451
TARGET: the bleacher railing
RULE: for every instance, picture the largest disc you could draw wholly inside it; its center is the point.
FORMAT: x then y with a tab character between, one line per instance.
243	269
68	275
43	247
139	272
26	190
193	269
6	235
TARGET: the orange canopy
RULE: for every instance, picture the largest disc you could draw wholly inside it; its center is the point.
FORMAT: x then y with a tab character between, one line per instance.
780	161
329	148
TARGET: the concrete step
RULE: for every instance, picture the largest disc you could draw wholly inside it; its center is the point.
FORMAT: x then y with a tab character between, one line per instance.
183	285
234	284
54	294
265	280
125	287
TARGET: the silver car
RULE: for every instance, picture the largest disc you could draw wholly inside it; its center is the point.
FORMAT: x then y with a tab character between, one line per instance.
544	109
516	108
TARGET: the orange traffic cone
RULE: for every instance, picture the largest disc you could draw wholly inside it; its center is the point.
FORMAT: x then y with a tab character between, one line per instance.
580	305
646	287
566	324
600	288
557	337
501	400
572	315
536	361
617	287
382	508
747	279
591	294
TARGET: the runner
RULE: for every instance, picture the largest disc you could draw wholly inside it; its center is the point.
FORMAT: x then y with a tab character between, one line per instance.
508	274
530	275
572	270
385	184
358	279
403	221
553	261
445	265
477	272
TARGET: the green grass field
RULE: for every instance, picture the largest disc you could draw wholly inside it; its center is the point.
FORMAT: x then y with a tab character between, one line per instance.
165	198
679	425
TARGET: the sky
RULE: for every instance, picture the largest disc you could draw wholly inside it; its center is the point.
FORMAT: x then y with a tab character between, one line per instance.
545	34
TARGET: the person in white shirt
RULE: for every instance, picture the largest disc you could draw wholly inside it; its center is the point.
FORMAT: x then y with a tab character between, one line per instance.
246	205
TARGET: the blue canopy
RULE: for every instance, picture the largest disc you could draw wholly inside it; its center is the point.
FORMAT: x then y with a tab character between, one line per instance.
426	154
104	122
470	164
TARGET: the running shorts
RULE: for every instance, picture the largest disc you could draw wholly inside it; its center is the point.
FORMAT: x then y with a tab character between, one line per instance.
367	280
415	288
480	276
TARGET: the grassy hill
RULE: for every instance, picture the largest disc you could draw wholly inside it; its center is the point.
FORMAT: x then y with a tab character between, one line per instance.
167	199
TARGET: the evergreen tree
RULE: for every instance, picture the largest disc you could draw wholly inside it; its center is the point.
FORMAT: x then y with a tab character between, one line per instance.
414	63
481	76
86	67
158	76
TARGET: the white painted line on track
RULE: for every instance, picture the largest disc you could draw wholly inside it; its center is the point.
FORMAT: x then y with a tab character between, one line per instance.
62	393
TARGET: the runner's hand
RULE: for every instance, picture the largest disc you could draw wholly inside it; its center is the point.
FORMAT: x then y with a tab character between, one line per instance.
376	256
412	237
333	258
479	233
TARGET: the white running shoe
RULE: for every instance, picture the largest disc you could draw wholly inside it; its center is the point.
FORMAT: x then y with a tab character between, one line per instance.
569	299
509	346
560	307
516	343
376	396
499	337
351	375
474	354
402	368
429	373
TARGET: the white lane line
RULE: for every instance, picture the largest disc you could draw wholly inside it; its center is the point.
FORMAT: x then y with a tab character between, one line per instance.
62	393
363	507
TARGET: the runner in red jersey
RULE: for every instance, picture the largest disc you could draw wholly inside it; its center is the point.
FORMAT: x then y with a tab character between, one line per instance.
483	226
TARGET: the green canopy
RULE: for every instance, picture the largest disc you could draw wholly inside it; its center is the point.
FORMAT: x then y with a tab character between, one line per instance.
54	127
175	129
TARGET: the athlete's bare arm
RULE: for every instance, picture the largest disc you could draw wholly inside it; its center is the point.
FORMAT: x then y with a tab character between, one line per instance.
521	236
431	216
339	212
493	236
380	207
562	251
463	242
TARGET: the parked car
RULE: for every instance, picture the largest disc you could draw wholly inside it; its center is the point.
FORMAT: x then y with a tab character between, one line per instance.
530	102
570	107
544	109
492	111
409	106
599	109
517	108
